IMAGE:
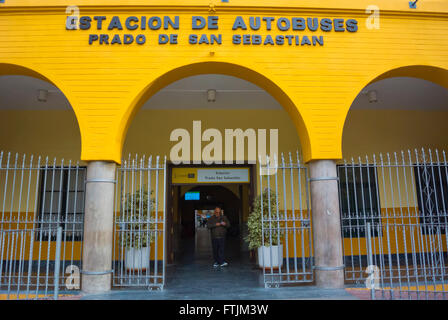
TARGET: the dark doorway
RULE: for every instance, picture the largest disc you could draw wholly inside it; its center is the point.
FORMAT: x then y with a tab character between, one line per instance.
209	198
188	240
195	237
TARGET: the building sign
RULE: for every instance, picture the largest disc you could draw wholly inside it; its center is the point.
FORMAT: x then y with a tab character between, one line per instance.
252	31
223	175
210	175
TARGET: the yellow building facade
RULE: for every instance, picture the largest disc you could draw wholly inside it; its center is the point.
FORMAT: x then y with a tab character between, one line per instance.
108	58
316	84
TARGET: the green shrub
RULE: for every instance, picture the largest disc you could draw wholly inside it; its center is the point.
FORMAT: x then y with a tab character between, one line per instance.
254	223
138	220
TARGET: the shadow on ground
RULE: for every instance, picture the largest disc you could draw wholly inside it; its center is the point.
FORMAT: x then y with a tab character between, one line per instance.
194	278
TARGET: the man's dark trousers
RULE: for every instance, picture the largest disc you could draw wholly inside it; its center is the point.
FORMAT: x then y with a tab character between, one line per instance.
218	249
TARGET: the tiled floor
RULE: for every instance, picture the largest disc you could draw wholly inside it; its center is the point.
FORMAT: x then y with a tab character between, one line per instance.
194	278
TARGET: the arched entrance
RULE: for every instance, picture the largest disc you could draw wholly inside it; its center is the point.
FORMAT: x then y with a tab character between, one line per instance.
42	183
36	115
220	68
404	108
236	104
393	181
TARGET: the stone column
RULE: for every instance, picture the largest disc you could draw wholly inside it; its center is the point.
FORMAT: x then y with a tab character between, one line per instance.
326	221
98	227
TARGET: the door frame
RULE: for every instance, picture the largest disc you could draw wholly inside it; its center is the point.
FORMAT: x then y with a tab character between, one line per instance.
170	195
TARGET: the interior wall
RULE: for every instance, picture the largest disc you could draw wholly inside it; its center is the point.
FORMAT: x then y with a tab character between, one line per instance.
55	133
52	133
150	130
369	132
374	131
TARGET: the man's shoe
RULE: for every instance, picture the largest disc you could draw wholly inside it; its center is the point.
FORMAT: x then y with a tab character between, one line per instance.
225	264
216	265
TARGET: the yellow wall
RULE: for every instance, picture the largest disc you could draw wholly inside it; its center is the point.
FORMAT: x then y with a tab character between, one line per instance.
374	131
385	133
52	133
428	6
149	135
316	85
399	240
367	132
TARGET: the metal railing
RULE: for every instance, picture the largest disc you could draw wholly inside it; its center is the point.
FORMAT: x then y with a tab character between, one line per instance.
395	224
139	255
393	213
21	273
286	251
41	226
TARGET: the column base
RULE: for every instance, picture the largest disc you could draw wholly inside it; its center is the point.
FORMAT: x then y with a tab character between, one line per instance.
95	284
329	279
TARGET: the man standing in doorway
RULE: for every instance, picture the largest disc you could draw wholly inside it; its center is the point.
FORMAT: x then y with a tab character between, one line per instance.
218	225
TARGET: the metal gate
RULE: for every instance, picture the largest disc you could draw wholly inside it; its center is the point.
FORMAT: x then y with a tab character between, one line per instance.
139	254
286	251
41	226
395	224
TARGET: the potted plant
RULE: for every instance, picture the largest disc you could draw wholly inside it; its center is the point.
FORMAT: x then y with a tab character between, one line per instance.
269	247
138	229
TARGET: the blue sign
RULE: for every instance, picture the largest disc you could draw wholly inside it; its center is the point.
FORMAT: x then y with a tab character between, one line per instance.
193	195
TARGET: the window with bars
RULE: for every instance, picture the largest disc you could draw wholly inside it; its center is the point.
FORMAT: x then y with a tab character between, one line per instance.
359	202
432	196
61	202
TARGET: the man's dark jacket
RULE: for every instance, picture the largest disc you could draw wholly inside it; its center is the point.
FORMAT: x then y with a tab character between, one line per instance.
218	231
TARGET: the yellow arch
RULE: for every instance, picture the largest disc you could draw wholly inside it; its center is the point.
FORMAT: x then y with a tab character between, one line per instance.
434	74
32	71
15	69
224	68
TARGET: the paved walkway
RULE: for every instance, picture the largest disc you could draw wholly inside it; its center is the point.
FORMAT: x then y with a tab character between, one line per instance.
194	278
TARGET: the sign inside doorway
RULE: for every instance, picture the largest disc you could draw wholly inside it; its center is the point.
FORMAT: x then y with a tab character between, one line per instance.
210	175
